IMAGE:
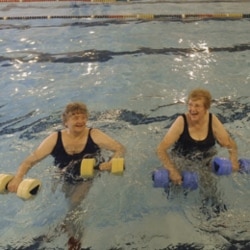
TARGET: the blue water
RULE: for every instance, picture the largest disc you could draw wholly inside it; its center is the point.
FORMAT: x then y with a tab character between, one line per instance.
134	76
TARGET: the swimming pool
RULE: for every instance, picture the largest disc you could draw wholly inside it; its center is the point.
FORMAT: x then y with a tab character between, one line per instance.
134	75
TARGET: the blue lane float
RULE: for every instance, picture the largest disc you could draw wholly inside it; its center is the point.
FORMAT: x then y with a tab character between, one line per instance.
223	166
161	179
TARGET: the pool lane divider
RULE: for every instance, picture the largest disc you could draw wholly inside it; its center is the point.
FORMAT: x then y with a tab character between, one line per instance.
177	17
87	1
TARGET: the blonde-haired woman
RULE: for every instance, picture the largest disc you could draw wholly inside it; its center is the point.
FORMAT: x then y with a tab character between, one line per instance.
197	130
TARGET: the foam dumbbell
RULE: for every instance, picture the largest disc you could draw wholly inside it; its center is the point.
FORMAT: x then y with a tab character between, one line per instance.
244	165
4	180
223	166
26	189
87	167
117	166
161	179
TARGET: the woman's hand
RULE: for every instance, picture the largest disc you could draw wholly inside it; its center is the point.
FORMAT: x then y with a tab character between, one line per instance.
13	184
105	166
175	176
235	166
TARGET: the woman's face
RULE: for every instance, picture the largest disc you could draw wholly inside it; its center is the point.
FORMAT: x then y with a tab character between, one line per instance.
76	122
196	109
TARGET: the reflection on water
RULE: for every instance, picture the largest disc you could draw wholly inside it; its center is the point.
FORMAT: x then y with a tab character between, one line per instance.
196	54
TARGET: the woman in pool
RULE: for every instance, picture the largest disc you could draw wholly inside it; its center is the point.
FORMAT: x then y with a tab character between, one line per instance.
195	133
68	147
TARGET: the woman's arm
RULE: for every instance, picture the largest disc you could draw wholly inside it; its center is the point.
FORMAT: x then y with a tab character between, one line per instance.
169	139
225	140
43	150
106	142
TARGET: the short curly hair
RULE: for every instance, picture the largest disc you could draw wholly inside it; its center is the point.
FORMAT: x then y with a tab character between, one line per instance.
201	94
74	107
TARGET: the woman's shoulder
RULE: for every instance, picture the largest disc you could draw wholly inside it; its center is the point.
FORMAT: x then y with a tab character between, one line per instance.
94	131
181	118
178	124
214	118
53	136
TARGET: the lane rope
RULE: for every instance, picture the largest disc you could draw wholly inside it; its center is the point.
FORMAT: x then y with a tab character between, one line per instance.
124	1
167	17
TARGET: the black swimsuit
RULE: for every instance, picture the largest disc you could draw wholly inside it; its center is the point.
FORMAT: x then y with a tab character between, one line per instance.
62	158
186	144
71	163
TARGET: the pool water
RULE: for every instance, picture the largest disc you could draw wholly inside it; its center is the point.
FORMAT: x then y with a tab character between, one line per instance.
134	75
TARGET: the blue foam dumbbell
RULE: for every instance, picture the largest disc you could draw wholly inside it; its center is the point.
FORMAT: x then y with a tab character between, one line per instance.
223	166
244	165
161	179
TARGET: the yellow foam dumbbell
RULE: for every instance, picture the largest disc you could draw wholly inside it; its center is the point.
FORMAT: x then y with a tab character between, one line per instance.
28	188
117	166
87	168
4	180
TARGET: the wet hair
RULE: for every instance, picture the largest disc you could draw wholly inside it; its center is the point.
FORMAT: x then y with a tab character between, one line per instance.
201	94
74	108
